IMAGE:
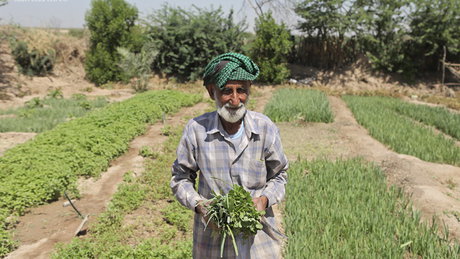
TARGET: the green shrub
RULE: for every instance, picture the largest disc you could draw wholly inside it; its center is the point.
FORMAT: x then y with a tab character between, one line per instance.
187	40
136	66
111	24
270	50
56	94
32	62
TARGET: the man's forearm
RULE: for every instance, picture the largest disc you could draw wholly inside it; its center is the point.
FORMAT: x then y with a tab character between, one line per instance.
182	187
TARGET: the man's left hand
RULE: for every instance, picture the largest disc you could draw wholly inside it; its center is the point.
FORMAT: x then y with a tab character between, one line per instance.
260	203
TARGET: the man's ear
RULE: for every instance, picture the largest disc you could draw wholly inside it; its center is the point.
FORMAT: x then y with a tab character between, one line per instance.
211	89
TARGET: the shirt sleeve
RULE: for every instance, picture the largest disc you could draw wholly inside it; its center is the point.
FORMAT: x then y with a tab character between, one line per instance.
184	172
277	166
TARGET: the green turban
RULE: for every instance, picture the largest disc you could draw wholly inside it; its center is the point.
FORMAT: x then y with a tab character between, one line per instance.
230	66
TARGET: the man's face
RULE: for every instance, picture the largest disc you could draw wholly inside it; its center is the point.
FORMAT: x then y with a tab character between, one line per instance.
231	100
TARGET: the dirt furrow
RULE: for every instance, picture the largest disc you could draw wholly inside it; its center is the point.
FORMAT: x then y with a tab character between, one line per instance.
39	230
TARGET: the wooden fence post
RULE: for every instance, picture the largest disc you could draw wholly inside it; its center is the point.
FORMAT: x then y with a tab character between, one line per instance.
443	66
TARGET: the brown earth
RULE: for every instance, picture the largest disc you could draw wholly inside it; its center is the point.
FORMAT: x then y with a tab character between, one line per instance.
11	139
68	74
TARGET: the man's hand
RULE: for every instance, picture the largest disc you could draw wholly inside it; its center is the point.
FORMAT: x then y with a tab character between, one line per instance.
260	203
201	209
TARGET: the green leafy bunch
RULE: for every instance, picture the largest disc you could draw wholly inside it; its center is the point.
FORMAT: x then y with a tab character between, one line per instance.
233	214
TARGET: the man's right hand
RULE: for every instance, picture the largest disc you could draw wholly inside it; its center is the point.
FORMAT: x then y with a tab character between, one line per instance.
201	209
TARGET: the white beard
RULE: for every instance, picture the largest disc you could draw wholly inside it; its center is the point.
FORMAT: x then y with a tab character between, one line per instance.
230	115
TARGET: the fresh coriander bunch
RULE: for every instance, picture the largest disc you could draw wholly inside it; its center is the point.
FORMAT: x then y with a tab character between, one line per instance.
233	214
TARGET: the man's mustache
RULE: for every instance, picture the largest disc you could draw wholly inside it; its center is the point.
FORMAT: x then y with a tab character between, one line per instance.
228	105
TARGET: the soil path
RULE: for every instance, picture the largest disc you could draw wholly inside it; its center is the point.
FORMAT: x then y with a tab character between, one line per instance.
11	139
40	229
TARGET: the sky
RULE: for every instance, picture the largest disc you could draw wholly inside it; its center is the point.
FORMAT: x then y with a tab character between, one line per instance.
71	13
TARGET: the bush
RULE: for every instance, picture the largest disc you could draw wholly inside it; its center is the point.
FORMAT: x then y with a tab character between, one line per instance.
270	49
32	62
187	40
136	66
111	24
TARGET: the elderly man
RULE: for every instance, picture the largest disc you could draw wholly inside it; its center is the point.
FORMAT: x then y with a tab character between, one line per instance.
231	146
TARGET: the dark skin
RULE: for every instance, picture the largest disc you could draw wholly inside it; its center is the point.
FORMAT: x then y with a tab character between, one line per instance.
234	93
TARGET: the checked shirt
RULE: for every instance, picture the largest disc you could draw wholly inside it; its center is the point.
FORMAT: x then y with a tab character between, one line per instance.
258	164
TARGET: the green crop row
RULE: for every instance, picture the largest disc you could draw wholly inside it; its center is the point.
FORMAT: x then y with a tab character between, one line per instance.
401	133
163	230
41	169
344	209
299	104
439	117
39	115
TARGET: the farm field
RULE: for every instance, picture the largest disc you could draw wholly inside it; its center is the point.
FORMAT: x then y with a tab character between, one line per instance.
39	115
134	205
392	122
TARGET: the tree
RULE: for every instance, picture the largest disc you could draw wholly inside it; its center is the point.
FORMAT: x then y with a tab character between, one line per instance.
187	39
270	49
378	28
434	25
111	24
384	36
281	7
323	19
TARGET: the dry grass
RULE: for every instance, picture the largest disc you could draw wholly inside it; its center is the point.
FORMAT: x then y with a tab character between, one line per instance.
70	51
450	102
390	92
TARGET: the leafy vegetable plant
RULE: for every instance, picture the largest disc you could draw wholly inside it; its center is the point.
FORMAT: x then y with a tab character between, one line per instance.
233	214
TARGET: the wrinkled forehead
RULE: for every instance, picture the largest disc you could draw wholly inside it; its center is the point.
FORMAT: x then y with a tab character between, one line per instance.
235	84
